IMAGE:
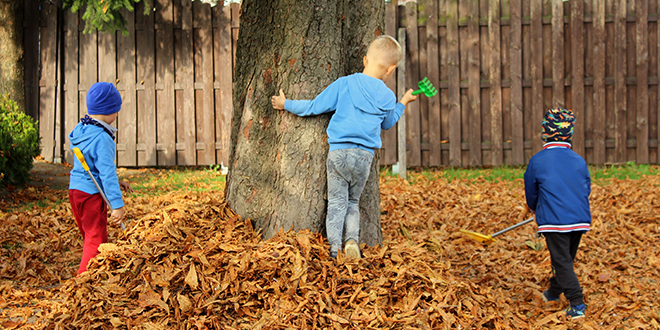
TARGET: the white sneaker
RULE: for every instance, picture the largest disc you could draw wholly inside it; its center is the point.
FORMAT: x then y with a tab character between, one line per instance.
352	249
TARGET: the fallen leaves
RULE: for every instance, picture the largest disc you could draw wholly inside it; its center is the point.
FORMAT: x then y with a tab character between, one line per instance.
187	261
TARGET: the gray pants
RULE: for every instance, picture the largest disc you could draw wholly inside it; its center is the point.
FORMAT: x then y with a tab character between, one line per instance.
348	171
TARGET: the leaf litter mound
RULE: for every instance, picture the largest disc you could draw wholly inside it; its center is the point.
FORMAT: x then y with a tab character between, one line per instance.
189	262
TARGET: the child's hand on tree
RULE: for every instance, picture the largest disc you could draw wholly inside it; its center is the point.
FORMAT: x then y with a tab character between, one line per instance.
117	215
408	97
278	100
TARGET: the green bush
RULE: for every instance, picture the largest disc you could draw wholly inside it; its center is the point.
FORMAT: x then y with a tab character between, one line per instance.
19	144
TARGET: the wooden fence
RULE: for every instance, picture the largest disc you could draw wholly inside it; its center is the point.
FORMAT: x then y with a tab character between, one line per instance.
498	65
173	69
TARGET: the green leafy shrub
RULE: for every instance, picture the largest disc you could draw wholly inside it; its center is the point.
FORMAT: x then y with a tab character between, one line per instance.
19	143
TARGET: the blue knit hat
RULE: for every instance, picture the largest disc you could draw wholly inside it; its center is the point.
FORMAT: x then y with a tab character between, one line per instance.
558	125
103	99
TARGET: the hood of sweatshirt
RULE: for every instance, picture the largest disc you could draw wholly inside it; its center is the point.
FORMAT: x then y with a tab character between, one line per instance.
369	94
83	134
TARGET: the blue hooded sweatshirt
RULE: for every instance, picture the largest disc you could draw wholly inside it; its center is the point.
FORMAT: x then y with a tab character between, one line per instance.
557	188
363	105
98	147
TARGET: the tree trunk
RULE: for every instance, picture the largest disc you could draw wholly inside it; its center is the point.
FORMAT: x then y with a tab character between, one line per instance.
11	51
277	172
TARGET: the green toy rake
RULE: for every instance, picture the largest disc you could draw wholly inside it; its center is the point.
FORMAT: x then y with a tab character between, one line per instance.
426	87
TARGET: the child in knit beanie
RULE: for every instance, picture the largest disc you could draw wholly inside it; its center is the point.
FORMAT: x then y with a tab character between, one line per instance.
95	138
557	188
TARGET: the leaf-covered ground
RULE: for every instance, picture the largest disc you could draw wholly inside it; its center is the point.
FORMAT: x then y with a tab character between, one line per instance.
188	262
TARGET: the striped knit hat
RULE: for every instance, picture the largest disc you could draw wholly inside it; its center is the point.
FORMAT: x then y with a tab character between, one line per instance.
558	125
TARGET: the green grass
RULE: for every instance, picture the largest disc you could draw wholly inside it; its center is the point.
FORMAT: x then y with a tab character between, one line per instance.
600	174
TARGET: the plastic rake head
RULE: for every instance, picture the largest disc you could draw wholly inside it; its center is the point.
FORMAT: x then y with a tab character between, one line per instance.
426	87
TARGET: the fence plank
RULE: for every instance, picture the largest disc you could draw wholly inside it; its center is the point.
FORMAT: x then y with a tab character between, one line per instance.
31	58
454	92
413	117
620	107
577	78
127	119
642	122
47	83
223	73
72	109
515	59
401	125
474	88
599	118
165	101
185	111
433	74
536	55
497	157
146	77
388	151
558	97
204	76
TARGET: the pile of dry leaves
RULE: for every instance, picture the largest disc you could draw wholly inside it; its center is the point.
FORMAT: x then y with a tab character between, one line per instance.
188	262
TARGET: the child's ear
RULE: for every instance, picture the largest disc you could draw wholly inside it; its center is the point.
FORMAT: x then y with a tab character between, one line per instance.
364	60
391	68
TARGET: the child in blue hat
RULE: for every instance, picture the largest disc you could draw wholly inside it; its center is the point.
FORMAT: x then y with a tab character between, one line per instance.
95	138
557	188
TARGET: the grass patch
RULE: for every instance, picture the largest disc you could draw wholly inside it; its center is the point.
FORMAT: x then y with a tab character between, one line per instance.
600	174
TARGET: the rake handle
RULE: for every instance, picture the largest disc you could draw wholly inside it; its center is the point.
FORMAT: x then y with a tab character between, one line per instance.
417	92
513	227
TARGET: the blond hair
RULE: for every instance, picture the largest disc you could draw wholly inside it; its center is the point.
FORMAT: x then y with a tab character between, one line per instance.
386	49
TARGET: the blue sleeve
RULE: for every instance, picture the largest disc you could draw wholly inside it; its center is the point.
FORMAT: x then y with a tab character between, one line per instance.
393	116
105	165
324	102
531	187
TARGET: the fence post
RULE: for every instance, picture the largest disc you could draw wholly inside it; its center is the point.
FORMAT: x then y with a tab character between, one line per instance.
400	90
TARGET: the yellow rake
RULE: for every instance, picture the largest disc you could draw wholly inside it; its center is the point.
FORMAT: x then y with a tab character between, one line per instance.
488	239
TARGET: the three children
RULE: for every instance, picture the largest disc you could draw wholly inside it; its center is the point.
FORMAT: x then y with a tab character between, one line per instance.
95	138
557	188
362	106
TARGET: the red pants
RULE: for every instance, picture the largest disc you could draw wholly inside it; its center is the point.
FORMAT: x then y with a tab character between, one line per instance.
92	219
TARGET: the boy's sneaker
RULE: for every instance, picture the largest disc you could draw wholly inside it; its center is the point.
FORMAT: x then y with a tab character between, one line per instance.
576	312
352	249
547	297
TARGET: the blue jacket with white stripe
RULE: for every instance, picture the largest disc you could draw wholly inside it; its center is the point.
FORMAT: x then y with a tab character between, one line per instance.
557	188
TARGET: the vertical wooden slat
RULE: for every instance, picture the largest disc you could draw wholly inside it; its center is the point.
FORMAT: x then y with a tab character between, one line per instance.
497	156
433	74
577	78
88	64
515	58
474	88
31	57
59	67
620	108
388	151
71	105
146	77
107	57
47	82
166	117
127	119
536	55
642	66
186	131
204	78
223	72
558	99
657	122
454	92
599	109
413	124
401	125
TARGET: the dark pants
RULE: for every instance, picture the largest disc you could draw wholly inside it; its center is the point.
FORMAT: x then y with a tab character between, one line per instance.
563	248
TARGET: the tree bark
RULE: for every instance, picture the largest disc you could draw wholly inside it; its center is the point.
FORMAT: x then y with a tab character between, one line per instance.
277	172
11	51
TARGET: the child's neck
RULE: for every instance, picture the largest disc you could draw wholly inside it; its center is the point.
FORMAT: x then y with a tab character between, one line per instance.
108	119
374	72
